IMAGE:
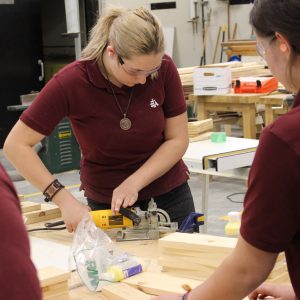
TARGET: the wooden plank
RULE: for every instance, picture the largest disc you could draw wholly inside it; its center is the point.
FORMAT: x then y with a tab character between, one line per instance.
51	275
159	283
205	271
122	291
203	242
197	127
47	212
210	260
200	137
28	206
191	274
281	279
64	296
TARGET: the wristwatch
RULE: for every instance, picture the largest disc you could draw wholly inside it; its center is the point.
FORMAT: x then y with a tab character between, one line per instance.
52	189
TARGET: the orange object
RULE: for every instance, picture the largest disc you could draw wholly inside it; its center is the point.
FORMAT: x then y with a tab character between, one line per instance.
255	85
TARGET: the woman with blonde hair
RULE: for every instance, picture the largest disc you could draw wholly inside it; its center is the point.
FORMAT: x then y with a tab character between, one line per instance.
125	102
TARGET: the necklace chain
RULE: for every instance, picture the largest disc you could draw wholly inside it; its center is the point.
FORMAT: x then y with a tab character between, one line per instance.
125	123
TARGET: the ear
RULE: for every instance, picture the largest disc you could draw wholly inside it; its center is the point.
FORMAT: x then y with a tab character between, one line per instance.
110	51
284	44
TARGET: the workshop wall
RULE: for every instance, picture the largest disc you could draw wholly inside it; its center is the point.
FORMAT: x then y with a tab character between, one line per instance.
187	49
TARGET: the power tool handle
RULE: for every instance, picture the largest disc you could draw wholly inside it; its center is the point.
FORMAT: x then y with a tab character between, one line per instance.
130	215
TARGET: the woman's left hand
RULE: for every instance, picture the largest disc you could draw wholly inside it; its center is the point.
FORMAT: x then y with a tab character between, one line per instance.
124	195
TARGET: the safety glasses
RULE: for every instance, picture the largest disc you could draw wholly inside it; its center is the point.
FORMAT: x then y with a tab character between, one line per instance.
134	72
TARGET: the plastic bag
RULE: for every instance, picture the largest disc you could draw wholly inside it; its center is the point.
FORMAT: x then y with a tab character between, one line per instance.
95	254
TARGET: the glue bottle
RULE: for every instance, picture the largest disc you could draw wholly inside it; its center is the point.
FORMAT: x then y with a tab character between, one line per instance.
123	270
232	228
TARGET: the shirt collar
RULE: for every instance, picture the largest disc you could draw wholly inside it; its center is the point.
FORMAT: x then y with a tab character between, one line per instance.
94	74
97	79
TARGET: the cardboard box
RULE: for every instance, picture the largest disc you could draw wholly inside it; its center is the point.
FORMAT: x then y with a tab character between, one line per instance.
212	81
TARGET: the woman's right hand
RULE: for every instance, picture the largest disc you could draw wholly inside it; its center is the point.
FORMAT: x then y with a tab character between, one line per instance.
72	210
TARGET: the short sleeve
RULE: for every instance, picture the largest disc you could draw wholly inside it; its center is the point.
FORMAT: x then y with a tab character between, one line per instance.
271	207
47	109
174	103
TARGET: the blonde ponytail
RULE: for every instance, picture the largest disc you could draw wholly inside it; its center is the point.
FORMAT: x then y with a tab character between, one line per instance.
130	32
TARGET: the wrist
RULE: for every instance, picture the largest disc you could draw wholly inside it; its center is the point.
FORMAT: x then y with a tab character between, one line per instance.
52	189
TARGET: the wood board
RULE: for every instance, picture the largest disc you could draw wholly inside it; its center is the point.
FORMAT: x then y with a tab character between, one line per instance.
159	283
122	291
28	206
47	212
202	242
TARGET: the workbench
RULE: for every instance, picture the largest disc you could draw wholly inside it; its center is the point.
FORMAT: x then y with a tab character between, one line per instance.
279	107
147	250
243	103
228	159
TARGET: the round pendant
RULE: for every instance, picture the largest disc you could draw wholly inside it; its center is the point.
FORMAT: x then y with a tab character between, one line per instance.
125	124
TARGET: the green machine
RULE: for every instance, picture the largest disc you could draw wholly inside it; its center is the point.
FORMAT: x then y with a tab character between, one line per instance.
60	151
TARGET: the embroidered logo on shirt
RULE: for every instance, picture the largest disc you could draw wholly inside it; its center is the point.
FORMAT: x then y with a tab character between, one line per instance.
153	103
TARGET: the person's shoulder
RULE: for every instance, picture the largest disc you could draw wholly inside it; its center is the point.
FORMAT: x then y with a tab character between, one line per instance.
74	67
287	128
75	73
168	66
167	61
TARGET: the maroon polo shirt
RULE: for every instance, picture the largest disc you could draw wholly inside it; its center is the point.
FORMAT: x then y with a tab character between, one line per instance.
271	217
18	278
110	154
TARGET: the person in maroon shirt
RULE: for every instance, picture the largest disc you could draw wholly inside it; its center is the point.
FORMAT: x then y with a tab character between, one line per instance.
18	277
271	216
126	105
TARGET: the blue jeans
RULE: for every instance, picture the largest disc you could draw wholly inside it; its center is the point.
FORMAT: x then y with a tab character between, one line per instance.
178	203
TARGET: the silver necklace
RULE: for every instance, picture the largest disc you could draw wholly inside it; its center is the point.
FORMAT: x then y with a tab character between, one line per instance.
125	122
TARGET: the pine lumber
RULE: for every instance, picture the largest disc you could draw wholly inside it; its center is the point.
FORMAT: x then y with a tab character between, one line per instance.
122	291
206	260
201	137
191	274
51	275
283	278
201	126
198	242
205	271
47	212
279	268
27	206
54	283
159	283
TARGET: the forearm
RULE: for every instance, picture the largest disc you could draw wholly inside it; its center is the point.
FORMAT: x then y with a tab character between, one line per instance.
227	282
239	274
28	163
162	160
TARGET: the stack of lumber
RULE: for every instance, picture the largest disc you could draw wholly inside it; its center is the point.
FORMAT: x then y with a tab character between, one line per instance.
186	77
54	283
238	69
37	212
200	130
197	256
240	47
193	256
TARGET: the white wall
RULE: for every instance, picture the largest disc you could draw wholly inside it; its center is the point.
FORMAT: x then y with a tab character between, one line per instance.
188	46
